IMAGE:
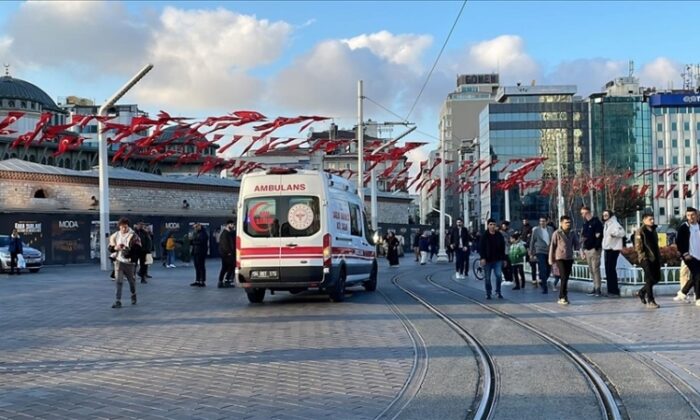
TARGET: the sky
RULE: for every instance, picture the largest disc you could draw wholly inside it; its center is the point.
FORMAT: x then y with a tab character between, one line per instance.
300	58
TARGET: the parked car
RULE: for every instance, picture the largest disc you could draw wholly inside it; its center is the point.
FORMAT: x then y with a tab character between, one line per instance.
32	256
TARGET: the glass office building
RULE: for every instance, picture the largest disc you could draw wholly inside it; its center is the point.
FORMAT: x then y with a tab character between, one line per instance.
675	140
525	122
621	134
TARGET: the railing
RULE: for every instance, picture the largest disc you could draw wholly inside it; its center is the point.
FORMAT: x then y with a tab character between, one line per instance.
631	276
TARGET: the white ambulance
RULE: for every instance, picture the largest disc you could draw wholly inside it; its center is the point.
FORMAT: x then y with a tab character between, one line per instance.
299	230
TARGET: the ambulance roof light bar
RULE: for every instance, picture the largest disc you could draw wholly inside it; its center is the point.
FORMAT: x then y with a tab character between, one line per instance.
281	171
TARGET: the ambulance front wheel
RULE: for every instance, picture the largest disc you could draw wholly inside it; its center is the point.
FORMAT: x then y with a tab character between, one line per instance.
255	295
371	284
337	293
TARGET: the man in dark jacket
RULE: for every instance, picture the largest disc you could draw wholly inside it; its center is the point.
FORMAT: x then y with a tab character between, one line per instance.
200	249
227	251
492	250
688	242
592	241
15	249
459	243
146	247
646	245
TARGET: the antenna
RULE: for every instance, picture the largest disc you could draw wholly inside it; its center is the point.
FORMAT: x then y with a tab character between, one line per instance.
7	69
631	68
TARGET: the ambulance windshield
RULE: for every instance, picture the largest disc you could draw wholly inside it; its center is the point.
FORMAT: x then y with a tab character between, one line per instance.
281	216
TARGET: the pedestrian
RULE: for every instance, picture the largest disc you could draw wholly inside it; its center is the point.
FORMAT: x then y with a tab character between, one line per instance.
15	248
126	251
170	245
434	241
200	248
227	252
416	245
592	241
527	238
460	246
646	245
448	246
516	256
561	252
424	246
613	233
539	250
146	245
506	232
392	249
688	242
492	250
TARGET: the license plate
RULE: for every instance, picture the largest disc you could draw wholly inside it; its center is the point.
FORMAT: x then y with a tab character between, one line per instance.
264	274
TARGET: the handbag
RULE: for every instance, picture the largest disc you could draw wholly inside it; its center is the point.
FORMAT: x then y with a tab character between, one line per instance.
21	262
149	259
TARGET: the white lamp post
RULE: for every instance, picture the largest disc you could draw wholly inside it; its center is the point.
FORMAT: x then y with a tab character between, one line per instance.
103	159
442	254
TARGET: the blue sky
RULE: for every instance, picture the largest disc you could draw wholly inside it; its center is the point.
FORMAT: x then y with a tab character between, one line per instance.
305	57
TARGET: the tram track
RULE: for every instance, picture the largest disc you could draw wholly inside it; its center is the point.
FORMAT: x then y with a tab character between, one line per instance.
609	402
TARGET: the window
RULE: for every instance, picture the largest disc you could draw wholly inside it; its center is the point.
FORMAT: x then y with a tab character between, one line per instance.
687	160
285	216
662	211
674	126
40	193
368	231
676	211
661	178
687	142
660	160
674	160
355	220
659	127
675	194
660	144
686	126
697	126
674	143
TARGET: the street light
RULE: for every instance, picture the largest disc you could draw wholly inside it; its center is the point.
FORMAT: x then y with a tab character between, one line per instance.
442	254
104	164
560	197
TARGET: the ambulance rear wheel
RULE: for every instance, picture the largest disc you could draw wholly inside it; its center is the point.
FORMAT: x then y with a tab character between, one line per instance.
371	284
255	295
337	293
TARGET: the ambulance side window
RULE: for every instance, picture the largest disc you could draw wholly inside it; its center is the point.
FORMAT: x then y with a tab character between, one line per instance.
368	230
355	220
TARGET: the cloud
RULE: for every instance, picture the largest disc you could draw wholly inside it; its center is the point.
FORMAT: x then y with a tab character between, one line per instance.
660	73
405	49
324	80
202	58
98	36
589	75
504	54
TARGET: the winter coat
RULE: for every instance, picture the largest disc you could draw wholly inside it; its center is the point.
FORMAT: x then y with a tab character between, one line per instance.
613	232
200	243
227	247
563	246
517	253
492	247
15	246
537	243
592	234
454	238
646	245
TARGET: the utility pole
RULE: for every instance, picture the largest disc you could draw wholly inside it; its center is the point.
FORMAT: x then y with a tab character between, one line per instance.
560	197
360	146
103	159
442	254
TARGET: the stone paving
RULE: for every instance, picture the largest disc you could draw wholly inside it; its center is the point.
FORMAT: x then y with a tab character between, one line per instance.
186	352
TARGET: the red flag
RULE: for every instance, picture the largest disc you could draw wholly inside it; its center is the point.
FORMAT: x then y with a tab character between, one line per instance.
10	119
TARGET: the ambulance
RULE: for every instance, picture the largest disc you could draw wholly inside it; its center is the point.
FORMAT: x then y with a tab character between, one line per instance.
302	230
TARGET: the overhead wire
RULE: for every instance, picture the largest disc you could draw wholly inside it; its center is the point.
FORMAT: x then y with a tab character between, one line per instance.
427	79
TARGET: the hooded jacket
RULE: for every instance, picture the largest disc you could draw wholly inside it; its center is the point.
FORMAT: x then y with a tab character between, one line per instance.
613	232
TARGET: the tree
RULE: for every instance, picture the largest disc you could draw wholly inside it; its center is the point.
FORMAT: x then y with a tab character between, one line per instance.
625	203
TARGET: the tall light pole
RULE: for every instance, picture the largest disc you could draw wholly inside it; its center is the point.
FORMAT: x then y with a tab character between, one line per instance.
360	146
560	197
442	254
103	159
506	195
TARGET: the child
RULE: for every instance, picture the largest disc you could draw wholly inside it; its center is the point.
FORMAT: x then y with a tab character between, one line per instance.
516	257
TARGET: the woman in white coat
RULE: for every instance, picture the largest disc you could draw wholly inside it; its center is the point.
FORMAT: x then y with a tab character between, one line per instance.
613	233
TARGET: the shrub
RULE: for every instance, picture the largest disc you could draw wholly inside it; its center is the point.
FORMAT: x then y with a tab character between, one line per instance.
669	255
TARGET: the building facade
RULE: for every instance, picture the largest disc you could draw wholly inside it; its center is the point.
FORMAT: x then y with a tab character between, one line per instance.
621	136
675	123
527	122
459	128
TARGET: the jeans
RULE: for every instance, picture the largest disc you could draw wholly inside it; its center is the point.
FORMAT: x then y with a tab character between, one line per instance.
228	265
564	273
694	282
518	275
611	256
494	267
200	269
593	260
543	268
171	257
122	270
533	270
652	275
462	261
